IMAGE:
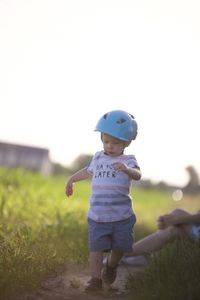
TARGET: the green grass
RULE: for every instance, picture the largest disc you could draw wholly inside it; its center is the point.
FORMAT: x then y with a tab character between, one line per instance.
41	230
173	273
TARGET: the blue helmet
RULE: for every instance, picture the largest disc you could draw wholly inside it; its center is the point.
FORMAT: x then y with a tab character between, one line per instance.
118	124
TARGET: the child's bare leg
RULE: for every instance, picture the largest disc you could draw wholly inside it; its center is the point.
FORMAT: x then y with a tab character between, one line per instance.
114	258
109	272
95	264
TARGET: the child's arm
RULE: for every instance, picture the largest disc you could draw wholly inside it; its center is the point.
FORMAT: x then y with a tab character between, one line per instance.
78	176
133	173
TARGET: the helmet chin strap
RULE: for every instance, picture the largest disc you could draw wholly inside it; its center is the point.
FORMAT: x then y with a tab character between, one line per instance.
119	154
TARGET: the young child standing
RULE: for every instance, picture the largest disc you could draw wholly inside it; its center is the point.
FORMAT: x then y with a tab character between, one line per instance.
111	217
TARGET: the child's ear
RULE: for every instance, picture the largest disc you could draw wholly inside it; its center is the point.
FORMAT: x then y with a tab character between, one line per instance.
127	143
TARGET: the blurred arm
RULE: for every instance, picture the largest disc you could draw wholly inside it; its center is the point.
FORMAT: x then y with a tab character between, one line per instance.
176	219
78	176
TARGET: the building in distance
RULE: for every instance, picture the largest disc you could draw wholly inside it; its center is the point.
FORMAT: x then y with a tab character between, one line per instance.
26	157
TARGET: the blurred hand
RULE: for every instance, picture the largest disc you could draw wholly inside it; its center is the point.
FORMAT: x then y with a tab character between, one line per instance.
69	188
165	221
160	223
120	166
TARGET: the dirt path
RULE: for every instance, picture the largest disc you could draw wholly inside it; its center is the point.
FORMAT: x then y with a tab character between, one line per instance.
70	285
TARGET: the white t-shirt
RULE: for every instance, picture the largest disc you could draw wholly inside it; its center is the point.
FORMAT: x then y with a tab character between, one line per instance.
110	200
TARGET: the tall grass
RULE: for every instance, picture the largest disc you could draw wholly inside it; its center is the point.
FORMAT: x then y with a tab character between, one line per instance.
173	273
41	230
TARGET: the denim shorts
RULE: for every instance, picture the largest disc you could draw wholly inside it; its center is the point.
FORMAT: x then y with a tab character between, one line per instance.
106	236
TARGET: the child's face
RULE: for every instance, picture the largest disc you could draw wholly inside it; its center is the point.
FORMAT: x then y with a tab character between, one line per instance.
113	146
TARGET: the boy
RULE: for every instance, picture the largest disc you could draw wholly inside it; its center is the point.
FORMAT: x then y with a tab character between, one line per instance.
111	217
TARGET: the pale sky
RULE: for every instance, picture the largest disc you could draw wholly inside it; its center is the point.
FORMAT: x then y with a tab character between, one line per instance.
63	64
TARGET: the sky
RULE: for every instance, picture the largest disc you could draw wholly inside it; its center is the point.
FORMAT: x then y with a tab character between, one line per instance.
64	63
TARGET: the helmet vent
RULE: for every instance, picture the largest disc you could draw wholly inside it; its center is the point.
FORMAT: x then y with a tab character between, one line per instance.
120	121
105	116
131	116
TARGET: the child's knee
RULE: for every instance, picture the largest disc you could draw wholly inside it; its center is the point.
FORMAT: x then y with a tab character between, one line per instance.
179	211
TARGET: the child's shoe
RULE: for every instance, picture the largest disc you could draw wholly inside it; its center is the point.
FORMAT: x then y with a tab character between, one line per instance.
94	285
109	274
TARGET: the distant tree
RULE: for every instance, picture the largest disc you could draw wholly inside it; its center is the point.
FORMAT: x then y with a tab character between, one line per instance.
58	169
193	182
162	185
193	176
81	161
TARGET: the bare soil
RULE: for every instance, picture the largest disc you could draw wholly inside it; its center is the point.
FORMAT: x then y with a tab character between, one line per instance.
71	283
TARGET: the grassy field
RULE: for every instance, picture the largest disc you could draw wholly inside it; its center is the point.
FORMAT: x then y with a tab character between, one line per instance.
173	273
41	230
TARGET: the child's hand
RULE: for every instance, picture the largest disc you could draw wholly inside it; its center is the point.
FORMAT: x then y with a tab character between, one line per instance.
69	188
120	166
